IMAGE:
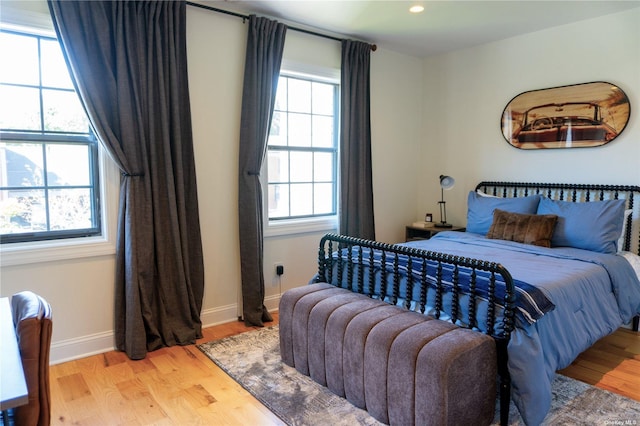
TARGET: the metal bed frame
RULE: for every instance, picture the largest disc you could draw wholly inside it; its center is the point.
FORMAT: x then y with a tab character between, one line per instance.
345	273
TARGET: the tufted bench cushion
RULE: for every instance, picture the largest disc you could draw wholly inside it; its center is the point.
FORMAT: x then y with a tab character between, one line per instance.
403	367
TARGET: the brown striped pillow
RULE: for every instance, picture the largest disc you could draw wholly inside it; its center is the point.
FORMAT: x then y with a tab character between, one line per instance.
523	228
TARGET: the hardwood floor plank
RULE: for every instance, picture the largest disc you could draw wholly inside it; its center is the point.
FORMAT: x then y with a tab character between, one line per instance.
74	387
612	363
180	385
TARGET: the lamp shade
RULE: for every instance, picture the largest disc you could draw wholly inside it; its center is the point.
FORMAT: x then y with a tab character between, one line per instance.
447	182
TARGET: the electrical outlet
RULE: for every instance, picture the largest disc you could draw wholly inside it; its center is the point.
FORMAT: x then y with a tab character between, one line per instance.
279	269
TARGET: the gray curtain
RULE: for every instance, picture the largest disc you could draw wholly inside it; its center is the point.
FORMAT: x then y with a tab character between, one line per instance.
129	63
356	184
265	44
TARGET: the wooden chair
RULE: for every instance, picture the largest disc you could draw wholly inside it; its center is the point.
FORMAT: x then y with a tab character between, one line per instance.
33	322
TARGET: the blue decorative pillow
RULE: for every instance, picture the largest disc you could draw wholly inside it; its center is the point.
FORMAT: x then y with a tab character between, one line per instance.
480	209
592	225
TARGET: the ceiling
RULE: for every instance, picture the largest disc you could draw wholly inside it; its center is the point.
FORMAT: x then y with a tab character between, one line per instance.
443	26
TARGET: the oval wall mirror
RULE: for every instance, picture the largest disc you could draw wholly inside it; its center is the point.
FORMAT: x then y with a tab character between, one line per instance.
575	116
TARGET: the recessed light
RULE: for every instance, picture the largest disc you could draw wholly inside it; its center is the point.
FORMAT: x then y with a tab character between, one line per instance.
416	9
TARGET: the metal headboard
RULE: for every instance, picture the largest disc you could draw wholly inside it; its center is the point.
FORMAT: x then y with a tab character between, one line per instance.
577	193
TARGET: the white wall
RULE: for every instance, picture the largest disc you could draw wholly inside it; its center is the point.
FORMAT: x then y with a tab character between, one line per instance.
466	92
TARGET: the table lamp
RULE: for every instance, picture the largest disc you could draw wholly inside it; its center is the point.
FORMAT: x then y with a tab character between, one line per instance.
446	182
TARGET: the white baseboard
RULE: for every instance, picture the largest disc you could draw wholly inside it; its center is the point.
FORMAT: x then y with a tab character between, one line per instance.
81	347
93	344
220	315
272	303
230	312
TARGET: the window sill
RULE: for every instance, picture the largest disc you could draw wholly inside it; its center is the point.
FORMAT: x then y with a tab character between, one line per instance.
301	226
51	251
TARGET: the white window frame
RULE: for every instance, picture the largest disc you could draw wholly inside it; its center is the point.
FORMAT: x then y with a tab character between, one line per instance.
328	223
109	177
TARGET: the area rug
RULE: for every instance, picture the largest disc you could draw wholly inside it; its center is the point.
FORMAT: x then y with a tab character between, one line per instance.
253	360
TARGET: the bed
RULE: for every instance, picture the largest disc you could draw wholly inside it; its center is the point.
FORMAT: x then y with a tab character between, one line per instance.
546	269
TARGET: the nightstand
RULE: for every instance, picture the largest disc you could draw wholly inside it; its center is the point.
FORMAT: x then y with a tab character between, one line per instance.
424	233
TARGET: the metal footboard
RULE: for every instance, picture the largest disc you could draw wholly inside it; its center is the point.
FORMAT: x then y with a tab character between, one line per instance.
350	263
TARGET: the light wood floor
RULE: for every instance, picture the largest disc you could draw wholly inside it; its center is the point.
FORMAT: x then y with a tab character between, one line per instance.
181	386
612	363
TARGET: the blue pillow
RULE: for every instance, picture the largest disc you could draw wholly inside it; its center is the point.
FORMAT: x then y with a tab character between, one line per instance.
592	225
480	209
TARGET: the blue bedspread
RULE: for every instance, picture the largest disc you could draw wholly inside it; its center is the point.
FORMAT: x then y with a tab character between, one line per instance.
593	293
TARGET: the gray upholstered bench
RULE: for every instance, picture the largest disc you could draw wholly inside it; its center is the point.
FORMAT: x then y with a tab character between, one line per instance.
404	368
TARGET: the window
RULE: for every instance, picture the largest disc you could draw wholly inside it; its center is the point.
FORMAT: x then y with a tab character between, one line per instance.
48	154
302	150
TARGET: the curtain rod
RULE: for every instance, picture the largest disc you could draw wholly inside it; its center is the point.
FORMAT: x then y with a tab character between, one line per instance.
239	15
